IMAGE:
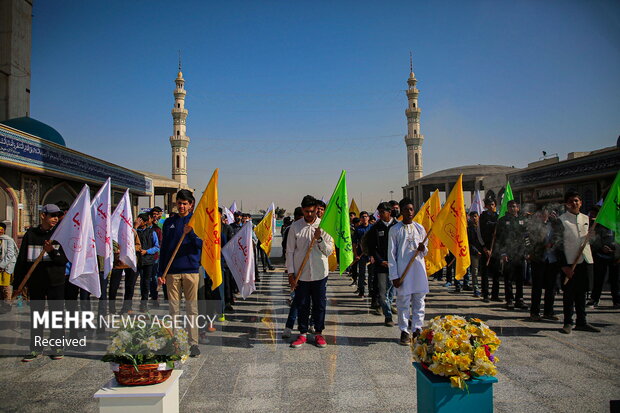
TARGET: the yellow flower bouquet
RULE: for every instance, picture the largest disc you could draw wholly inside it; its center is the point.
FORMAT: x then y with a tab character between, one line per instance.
456	348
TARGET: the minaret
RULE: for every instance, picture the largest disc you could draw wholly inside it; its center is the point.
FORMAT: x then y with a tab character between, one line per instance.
414	138
179	140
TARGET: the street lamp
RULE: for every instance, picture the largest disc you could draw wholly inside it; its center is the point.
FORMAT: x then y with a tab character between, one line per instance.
391	195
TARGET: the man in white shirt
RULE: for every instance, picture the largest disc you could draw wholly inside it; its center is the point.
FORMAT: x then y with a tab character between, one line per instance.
313	280
405	238
575	229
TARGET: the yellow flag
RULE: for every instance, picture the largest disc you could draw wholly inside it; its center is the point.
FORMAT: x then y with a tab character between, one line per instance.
206	223
435	259
354	208
264	232
332	261
451	228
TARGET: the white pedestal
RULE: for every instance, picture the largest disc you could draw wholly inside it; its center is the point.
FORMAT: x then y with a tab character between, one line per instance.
155	398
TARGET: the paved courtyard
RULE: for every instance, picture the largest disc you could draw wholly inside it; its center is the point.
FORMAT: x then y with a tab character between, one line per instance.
247	367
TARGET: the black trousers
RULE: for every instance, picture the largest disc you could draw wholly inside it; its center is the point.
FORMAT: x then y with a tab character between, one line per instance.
130	284
55	302
575	295
489	271
513	272
603	268
544	275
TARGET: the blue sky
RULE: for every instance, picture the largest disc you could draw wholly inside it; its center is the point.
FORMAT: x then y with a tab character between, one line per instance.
283	95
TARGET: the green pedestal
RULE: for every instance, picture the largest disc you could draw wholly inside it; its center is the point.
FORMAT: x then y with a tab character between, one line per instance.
436	395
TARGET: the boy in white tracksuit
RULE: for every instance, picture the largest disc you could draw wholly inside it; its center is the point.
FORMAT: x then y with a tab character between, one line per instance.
404	239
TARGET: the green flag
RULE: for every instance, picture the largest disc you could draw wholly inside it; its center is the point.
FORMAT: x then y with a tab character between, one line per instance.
507	197
335	222
609	215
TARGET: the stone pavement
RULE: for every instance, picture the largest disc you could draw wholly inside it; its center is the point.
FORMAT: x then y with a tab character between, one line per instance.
247	367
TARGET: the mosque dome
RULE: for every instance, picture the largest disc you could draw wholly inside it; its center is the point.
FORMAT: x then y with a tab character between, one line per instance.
36	128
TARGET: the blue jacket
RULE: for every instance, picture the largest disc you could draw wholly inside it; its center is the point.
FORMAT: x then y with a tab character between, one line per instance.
187	259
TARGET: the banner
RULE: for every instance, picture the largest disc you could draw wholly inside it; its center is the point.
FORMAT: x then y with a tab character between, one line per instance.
101	211
451	228
239	256
426	216
207	225
335	222
264	232
609	214
76	235
123	232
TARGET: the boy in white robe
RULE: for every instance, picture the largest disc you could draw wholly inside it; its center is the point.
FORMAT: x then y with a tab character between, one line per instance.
404	239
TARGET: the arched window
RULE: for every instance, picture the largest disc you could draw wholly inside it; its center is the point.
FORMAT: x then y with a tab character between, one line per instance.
178	133
178	105
417	163
178	161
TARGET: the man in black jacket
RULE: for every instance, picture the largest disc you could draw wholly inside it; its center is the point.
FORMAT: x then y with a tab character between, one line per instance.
47	280
511	242
476	246
377	240
543	233
488	222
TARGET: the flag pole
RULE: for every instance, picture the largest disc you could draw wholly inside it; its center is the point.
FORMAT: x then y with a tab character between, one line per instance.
492	245
303	264
402	277
583	246
28	275
174	254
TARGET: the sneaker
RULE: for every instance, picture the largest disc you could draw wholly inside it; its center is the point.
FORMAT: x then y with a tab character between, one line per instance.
319	341
566	329
286	333
521	305
405	338
194	351
587	327
57	354
534	317
33	355
509	304
301	340
416	334
221	318
592	304
377	311
550	317
389	322
477	294
447	285
394	309
486	300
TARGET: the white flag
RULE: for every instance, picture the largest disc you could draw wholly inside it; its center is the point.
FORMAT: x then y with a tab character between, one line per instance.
101	210
122	232
76	235
376	214
231	217
272	207
233	207
239	256
476	204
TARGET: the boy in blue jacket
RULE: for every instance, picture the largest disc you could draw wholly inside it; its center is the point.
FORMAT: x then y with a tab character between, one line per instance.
183	276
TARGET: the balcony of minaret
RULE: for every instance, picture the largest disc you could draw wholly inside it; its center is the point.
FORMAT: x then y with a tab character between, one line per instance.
413	92
179	111
180	141
415	140
413	112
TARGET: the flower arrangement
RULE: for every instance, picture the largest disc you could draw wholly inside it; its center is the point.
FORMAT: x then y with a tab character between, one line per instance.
147	343
457	348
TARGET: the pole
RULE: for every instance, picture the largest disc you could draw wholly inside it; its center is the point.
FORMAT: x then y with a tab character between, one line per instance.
28	275
303	264
174	254
583	246
492	245
402	277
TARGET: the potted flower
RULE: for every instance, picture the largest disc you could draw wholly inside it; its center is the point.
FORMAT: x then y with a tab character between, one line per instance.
455	358
145	352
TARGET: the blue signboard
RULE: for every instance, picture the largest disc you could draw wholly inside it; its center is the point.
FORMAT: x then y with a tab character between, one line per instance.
33	153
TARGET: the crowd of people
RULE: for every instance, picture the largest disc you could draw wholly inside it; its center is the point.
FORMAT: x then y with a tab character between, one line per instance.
388	266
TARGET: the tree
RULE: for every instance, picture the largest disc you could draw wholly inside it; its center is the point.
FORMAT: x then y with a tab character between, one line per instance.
280	212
